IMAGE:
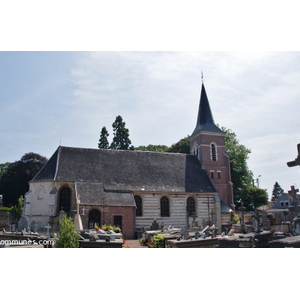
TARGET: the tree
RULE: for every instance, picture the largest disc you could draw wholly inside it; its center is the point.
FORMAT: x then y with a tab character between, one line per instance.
277	191
67	238
3	168
154	148
121	139
14	181
254	197
241	176
103	142
183	146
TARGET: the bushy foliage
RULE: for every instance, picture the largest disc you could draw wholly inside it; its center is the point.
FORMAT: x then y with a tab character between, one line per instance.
67	237
158	241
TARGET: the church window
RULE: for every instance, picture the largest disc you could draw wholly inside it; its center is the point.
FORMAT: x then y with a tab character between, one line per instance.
219	175
213	152
138	202
65	199
94	218
212	174
190	206
164	207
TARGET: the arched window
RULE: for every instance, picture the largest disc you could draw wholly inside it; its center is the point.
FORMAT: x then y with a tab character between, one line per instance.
164	207
190	206
64	200
94	218
138	202
213	152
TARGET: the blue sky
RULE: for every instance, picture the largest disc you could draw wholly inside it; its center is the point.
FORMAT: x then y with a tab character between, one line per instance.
48	98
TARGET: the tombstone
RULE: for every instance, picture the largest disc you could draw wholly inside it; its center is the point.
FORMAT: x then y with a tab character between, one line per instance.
181	231
1	201
242	220
33	226
8	227
61	215
186	235
194	222
93	236
266	222
48	227
23	223
293	194
256	221
154	225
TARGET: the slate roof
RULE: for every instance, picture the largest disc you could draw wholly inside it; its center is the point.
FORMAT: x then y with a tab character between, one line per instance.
127	170
93	193
282	200
205	120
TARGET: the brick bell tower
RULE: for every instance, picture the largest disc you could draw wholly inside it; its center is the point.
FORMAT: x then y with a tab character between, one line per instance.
208	143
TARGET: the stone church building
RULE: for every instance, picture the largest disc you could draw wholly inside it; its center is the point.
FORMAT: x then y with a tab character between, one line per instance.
132	188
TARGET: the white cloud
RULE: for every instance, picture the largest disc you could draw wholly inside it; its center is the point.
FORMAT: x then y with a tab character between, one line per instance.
255	94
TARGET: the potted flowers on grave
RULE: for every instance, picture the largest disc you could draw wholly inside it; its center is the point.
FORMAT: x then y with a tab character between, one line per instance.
110	227
143	241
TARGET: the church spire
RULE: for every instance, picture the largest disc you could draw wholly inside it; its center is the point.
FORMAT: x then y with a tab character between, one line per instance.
205	120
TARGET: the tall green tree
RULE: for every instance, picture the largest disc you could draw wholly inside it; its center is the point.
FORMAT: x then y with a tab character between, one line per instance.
277	192
14	181
241	176
103	141
121	139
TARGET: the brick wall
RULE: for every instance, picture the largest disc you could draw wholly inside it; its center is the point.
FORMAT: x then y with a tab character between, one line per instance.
108	214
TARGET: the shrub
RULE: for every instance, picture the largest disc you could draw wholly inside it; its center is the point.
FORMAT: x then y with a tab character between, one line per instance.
158	241
67	238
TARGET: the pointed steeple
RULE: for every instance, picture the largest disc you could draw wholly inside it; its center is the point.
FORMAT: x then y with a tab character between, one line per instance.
205	120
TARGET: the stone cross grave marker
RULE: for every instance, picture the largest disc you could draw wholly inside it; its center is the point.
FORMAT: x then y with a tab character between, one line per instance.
48	227
293	194
295	162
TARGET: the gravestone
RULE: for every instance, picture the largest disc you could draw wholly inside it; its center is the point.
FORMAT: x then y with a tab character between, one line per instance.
194	222
154	225
23	223
93	236
186	235
48	227
1	201
266	222
33	226
8	227
256	221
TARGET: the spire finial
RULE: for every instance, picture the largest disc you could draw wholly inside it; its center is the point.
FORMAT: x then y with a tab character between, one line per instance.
202	76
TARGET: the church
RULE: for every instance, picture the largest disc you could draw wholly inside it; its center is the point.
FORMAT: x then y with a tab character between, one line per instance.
132	188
